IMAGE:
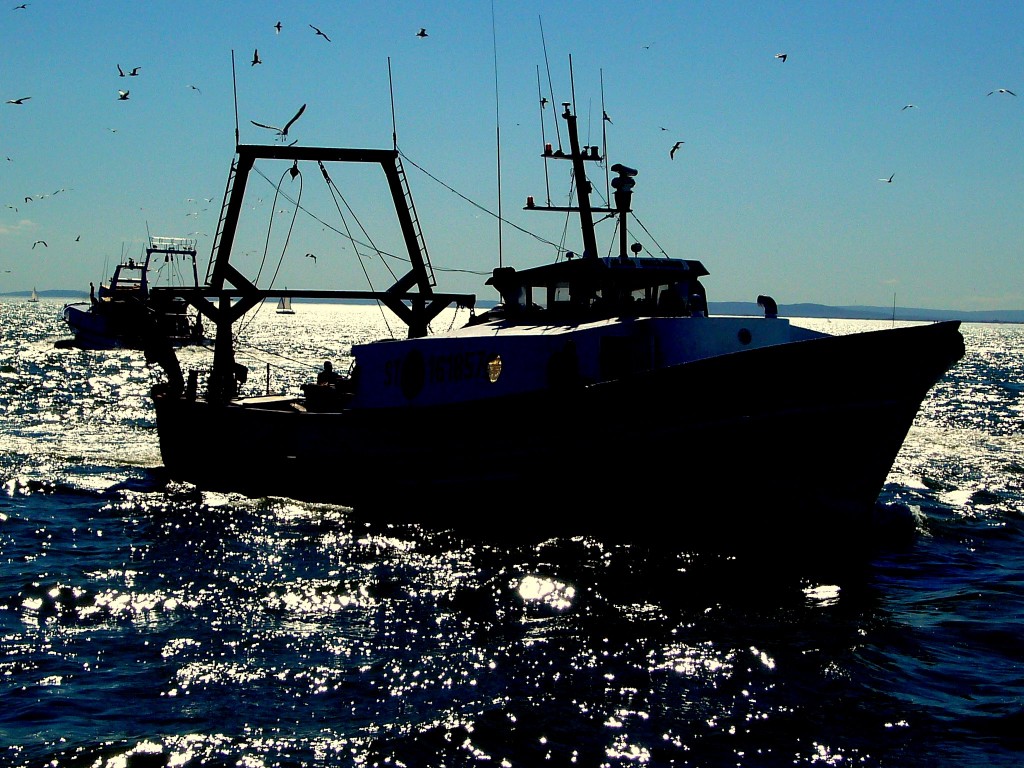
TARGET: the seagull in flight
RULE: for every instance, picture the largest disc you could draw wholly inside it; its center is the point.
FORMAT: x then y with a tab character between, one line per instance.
277	28
782	56
311	256
22	100
256	57
543	102
134	72
20	7
672	152
1001	90
889	180
195	88
122	95
282	132
38	242
606	117
120	72
421	33
321	34
909	106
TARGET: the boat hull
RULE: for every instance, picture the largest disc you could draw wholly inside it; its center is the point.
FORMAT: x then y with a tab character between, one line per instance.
809	426
127	325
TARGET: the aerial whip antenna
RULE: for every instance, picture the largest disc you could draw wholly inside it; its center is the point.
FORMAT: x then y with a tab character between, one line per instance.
604	141
394	125
551	90
497	131
543	136
234	92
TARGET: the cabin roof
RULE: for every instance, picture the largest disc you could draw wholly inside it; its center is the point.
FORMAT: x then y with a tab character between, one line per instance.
630	271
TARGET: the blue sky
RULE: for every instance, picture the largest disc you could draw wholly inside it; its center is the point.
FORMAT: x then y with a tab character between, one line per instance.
776	190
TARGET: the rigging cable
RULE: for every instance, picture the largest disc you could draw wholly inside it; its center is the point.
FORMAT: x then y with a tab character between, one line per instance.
474	204
335	194
294	171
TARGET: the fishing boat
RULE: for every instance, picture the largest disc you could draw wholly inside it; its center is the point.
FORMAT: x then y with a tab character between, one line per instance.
594	383
284	306
126	308
34	297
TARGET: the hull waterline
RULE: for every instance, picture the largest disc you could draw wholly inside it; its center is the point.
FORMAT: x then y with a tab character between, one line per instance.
809	427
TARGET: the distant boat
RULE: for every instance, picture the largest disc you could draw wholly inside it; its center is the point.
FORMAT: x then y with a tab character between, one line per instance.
284	306
34	297
128	308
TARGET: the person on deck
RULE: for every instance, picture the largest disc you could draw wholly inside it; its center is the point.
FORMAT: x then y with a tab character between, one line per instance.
327	375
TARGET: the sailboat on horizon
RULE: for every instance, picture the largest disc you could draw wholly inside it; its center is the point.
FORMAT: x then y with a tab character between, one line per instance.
284	306
35	296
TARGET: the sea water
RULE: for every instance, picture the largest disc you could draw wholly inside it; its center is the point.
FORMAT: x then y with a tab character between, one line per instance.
145	623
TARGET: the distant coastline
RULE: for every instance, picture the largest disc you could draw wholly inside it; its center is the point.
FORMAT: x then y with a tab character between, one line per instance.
743	308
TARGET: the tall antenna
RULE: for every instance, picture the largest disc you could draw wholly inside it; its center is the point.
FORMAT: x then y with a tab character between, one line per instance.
572	84
394	125
497	130
604	142
551	89
543	135
234	92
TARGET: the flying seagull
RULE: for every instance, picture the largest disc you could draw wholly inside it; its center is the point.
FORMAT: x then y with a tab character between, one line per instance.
421	33
134	72
909	106
122	95
1001	90
256	57
889	180
20	7
672	152
277	28
38	242
311	256
321	34
120	72
22	100
782	56
606	116
196	89
282	132
543	102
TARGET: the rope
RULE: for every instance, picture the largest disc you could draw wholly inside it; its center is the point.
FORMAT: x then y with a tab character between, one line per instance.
475	204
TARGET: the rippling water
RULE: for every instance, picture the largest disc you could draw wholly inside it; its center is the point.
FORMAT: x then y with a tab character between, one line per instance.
147	624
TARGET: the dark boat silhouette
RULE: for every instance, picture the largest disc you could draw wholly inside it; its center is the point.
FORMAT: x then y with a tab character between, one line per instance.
597	383
126	309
